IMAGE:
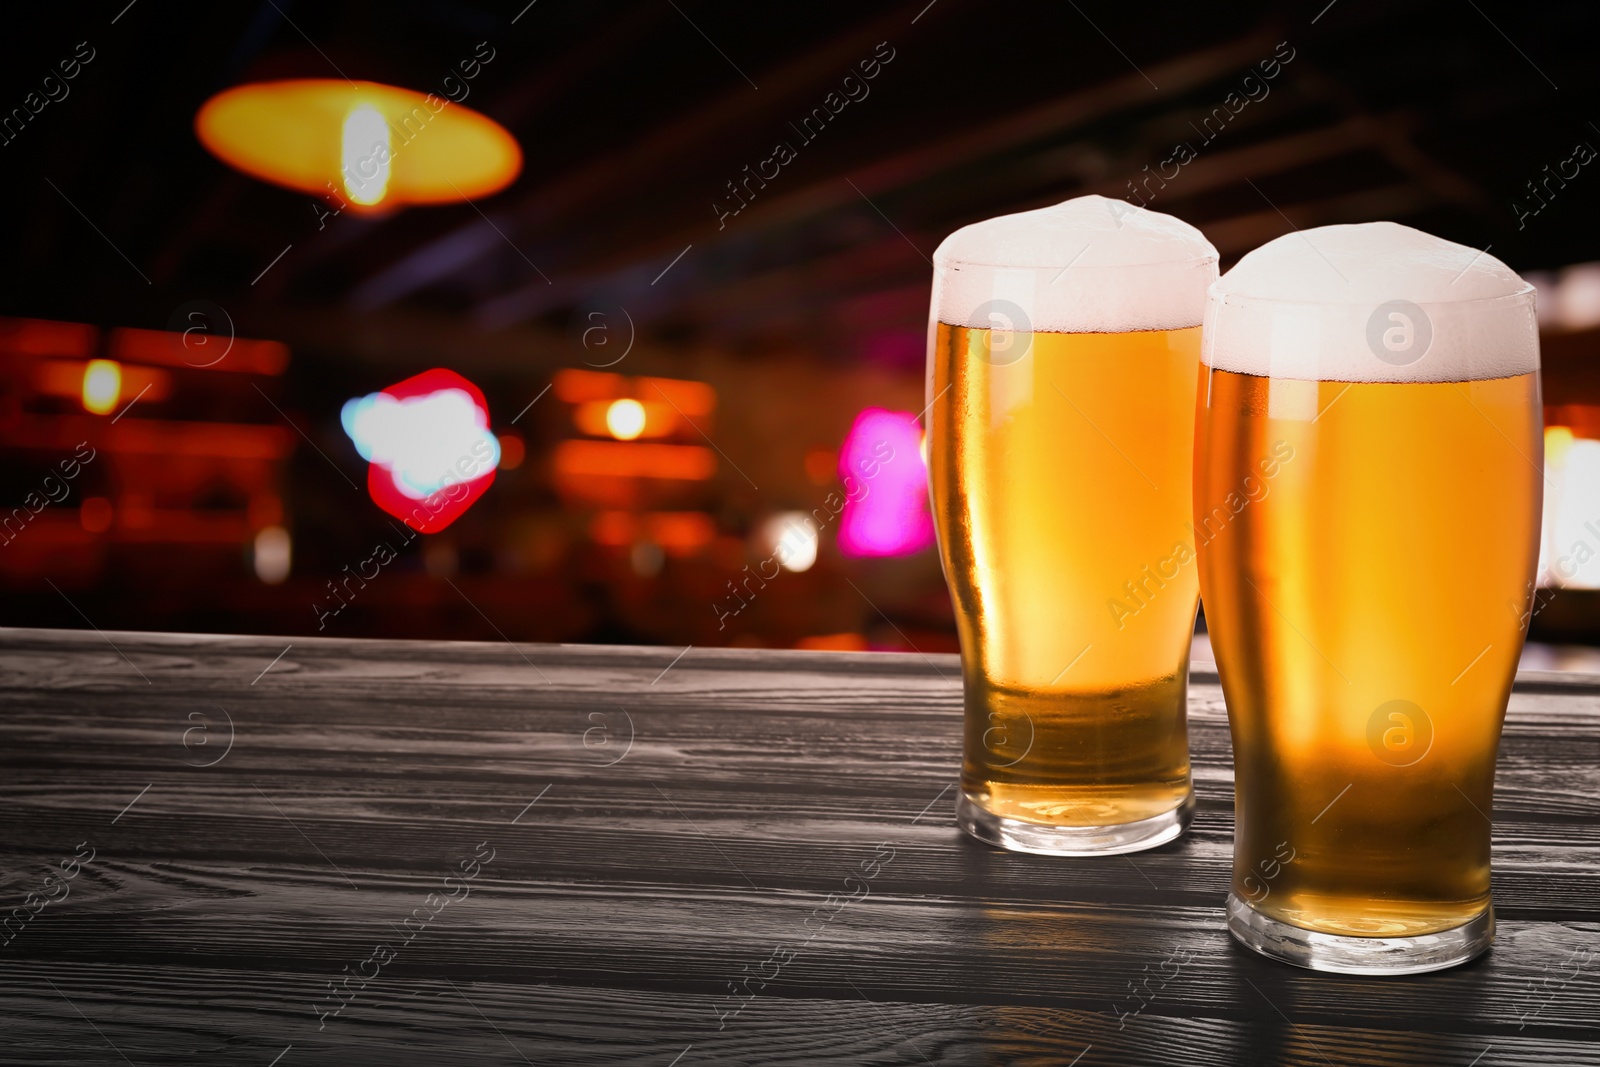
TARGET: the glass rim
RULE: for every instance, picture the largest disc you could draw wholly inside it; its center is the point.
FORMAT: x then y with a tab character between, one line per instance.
1189	262
1068	333
1523	295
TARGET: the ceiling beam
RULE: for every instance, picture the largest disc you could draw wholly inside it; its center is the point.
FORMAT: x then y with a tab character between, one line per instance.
841	274
891	172
1394	139
592	181
1235	236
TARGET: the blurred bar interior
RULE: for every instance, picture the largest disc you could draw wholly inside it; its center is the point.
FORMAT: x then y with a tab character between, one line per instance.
263	312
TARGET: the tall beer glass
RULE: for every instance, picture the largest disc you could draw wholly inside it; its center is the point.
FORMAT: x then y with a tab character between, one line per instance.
1060	428
1368	467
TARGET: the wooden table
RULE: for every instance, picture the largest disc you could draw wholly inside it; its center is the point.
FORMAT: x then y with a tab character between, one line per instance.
582	855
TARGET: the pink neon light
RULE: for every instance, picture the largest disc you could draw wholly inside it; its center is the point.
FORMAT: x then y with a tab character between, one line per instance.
886	486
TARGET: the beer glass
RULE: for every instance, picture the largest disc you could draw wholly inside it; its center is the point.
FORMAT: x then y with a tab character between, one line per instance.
1060	417
1368	467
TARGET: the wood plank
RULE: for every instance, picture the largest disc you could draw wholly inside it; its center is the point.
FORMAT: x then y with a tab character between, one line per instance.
648	877
152	1014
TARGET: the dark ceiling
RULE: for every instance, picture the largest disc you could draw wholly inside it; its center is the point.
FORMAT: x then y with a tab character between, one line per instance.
634	116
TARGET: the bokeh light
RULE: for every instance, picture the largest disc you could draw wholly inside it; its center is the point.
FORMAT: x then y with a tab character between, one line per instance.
323	135
886	486
102	386
271	554
429	447
790	537
366	155
625	419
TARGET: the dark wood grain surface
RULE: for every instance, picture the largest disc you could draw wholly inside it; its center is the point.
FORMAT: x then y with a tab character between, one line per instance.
582	855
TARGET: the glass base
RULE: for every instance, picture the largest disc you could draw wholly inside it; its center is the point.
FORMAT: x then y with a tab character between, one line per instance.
1046	840
1359	955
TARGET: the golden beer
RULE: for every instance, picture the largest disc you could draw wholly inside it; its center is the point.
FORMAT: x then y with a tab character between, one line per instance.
1060	467
1083	719
1360	542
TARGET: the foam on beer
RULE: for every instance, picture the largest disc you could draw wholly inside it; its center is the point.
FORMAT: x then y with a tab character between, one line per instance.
1086	265
1331	304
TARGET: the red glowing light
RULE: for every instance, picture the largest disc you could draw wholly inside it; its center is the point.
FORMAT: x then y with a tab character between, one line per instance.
440	475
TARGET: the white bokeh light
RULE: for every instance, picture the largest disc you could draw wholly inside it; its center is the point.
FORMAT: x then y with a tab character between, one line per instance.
365	151
271	554
1570	556
425	442
790	537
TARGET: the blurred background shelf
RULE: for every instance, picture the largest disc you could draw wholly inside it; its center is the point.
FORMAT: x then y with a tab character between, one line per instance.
638	245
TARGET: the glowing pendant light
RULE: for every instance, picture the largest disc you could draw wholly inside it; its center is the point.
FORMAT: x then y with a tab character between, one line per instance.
366	147
371	145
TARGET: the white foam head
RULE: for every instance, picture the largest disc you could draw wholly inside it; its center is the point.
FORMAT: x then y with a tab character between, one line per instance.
1086	265
1372	302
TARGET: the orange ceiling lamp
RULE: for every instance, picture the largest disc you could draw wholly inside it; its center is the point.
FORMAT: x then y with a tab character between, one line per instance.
375	146
624	419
